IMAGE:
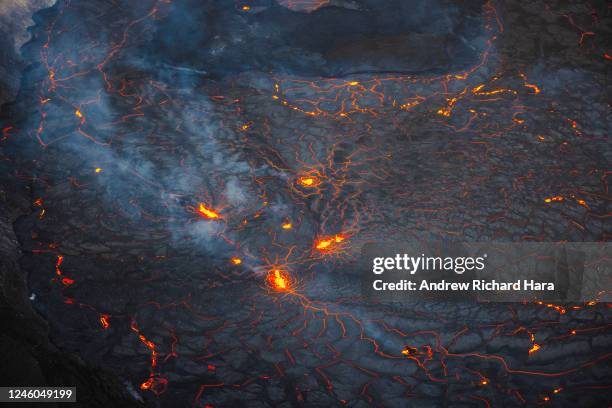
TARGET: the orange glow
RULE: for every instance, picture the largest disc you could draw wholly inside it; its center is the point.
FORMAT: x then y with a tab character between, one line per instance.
555	198
448	109
104	321
444	112
236	261
78	113
207	212
408	350
557	390
67	281
147	384
309	181
279	280
58	271
246	8
534	88
484	381
287	226
321	245
534	348
583	203
155	384
328	243
558	308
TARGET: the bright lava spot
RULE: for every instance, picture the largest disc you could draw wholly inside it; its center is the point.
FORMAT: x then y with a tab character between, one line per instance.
98	170
328	243
78	113
287	226
279	280
409	350
104	321
207	212
67	281
308	181
246	8
553	199
534	348
236	261
147	384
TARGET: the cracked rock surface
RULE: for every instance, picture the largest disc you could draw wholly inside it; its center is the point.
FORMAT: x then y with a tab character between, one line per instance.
188	187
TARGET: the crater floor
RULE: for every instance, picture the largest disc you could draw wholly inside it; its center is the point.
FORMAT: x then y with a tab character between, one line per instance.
204	174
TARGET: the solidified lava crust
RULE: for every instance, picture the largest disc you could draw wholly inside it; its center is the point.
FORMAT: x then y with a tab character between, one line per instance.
203	174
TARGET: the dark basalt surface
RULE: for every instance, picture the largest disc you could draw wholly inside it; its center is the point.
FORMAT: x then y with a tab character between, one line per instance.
29	357
459	121
220	38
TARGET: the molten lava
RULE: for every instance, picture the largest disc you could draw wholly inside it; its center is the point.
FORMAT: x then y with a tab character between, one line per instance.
534	348
104	321
408	351
329	243
279	280
309	181
207	212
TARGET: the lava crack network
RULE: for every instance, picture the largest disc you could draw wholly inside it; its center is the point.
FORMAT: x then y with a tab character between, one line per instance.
197	233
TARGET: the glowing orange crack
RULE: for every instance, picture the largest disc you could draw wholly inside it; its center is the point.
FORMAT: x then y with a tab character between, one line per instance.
104	321
555	198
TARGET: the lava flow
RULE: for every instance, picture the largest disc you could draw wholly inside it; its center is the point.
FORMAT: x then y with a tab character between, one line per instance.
331	244
207	212
279	280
